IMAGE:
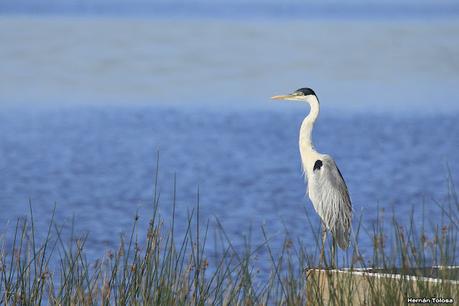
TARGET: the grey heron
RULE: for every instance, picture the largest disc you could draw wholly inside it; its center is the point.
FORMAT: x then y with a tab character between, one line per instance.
326	186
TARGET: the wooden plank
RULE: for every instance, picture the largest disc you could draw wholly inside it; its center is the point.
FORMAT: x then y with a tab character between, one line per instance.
367	287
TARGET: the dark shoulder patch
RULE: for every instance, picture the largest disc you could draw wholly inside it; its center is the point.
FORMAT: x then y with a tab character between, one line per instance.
317	165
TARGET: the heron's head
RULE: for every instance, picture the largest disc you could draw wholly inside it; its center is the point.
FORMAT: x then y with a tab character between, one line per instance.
302	94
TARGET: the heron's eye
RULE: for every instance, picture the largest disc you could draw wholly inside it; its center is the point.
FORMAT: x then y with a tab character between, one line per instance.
298	93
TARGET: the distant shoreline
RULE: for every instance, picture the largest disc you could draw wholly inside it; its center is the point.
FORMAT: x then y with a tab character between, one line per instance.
292	10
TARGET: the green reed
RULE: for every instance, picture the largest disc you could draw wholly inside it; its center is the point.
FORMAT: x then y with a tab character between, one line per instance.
156	267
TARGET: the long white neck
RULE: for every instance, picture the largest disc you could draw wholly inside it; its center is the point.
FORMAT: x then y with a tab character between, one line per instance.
306	145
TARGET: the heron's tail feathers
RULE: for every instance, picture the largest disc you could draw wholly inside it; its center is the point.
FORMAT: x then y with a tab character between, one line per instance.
342	237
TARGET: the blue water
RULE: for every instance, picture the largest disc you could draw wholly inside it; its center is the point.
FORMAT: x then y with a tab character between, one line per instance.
88	99
98	165
426	9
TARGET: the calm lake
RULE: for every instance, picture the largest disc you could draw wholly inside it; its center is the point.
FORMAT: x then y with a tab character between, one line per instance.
98	165
88	101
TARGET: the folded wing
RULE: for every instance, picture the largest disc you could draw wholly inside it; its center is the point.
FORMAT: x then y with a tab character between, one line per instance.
330	198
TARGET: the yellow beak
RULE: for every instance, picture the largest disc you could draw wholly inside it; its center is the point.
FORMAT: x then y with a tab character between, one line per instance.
281	97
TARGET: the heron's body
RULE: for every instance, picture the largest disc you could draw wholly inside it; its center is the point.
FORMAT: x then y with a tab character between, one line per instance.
326	187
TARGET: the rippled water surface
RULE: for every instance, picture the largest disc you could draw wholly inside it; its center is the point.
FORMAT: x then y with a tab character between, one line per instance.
87	101
98	164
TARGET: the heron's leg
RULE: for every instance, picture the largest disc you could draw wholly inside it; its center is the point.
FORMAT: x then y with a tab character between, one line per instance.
322	251
333	253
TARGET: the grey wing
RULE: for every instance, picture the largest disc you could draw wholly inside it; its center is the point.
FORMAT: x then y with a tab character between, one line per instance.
330	197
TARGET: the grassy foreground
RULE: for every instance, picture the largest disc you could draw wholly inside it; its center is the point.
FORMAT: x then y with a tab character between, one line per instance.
157	268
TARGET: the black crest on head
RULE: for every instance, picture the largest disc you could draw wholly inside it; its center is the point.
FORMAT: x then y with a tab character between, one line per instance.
305	91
